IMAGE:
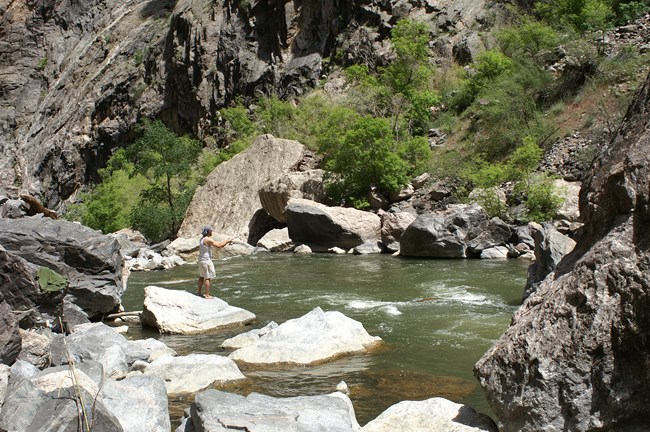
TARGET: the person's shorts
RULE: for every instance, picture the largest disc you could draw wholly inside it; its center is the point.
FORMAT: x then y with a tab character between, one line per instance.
206	270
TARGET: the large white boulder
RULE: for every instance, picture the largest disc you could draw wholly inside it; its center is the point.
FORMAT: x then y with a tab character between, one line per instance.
181	312
230	196
276	240
313	338
248	338
570	194
194	372
431	415
275	195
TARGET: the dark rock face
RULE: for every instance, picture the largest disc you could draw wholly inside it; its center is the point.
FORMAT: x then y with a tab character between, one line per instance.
443	234
10	339
322	227
89	260
577	355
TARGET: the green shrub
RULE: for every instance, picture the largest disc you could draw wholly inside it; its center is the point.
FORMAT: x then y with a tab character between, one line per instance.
527	40
416	153
534	190
580	15
275	116
542	201
238	120
488	66
108	205
628	11
523	161
419	111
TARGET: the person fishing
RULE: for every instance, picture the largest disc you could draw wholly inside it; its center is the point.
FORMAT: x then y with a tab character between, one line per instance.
206	266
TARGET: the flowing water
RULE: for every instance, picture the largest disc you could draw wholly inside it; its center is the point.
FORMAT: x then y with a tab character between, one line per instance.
437	317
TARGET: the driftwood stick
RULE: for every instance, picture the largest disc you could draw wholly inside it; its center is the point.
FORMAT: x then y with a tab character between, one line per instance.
36	207
122	314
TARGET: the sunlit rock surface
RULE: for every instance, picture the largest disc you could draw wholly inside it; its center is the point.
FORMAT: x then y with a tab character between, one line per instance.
431	415
194	372
220	411
313	338
181	312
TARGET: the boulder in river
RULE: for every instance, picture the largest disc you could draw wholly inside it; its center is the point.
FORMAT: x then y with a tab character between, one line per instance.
181	312
248	338
219	411
443	234
276	240
311	339
431	415
322	227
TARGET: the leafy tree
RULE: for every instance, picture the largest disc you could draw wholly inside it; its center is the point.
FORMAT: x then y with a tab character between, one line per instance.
165	160
410	70
628	10
408	77
364	157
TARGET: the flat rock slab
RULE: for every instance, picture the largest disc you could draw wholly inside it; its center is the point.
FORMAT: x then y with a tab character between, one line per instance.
220	411
181	312
311	339
194	372
431	415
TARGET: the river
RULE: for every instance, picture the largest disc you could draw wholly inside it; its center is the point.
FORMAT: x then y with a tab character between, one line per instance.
437	318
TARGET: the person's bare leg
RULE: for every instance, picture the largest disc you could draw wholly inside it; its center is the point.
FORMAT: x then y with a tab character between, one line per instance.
207	289
200	286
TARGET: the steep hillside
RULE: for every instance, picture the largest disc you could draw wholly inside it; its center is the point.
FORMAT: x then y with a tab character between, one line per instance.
76	76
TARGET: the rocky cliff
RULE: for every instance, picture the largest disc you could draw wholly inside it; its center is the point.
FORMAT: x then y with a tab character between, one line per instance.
75	76
577	354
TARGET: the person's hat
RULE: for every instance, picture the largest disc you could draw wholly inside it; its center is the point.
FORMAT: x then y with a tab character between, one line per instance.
205	231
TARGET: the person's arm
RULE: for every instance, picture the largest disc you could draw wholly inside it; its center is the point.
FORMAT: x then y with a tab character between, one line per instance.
217	244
